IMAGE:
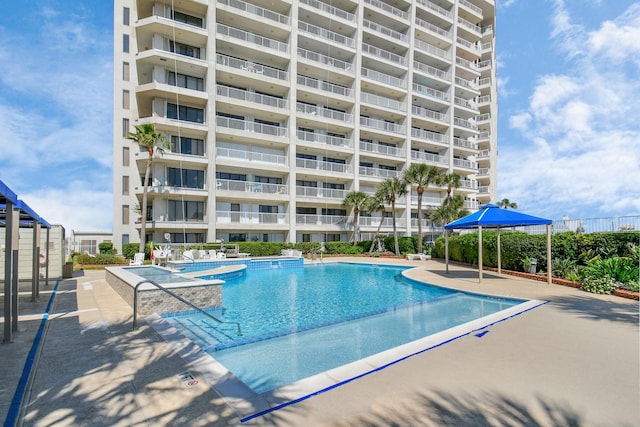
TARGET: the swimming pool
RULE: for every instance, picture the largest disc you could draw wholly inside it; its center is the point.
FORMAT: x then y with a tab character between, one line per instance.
299	322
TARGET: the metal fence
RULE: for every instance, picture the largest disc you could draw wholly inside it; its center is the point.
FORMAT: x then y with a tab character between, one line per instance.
588	225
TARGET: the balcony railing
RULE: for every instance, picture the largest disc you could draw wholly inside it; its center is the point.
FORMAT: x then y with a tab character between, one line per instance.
241	64
323	139
378	172
381	101
245	95
466	64
433	71
483	136
426	200
433	28
319	192
428	157
383	54
468	25
483	171
471	6
483	117
246	36
321	219
330	9
466	83
466	164
425	112
467	44
324	166
323	59
459	121
250	187
430	92
322	85
465	103
384	150
256	10
250	217
467	183
464	143
388	8
245	125
383	78
250	156
427	134
315	110
384	30
434	7
426	47
381	125
484	82
373	221
325	34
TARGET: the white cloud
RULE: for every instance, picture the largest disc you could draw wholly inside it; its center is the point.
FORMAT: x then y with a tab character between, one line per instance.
581	148
55	118
619	40
77	206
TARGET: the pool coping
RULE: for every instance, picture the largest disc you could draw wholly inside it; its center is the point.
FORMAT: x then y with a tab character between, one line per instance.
248	404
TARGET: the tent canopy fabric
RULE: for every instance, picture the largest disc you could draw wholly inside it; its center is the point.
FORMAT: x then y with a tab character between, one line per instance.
492	216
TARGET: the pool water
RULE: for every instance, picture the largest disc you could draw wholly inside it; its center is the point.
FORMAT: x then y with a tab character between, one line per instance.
302	321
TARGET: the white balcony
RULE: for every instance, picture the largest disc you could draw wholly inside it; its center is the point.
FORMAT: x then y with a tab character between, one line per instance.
429	157
383	78
389	32
330	9
323	60
320	193
428	135
378	172
321	138
383	150
250	156
318	165
381	101
338	220
259	69
432	71
324	86
230	217
251	187
258	40
425	112
250	9
316	110
326	34
381	125
248	126
384	54
388	8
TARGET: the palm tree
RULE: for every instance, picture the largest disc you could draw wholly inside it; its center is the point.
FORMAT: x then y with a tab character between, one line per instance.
388	191
506	204
451	180
374	204
449	211
356	200
421	175
150	141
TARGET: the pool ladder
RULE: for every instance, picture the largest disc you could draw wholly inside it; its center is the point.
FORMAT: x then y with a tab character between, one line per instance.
179	298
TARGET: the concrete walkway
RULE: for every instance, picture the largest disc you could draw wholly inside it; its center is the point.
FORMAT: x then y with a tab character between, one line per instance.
573	362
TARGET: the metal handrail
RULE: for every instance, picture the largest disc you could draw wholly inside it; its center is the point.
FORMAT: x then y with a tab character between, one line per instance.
179	298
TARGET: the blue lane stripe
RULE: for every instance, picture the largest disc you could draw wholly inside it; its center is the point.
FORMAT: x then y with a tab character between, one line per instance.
315	393
14	409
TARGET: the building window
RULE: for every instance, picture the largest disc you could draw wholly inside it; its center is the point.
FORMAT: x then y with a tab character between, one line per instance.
182	80
185	145
305	211
306	237
187	19
125	43
88	246
125	99
125	185
125	239
334	212
125	214
125	16
184	49
186	178
231	176
331	237
187	237
182	112
125	128
268	179
125	156
125	71
268	209
186	211
237	237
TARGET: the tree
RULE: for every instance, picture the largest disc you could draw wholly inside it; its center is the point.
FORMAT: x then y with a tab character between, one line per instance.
150	141
449	211
506	204
374	204
421	175
388	191
356	200
451	180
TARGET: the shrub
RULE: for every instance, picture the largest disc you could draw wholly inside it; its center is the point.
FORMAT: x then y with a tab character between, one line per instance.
599	285
563	267
342	248
308	247
620	269
129	250
106	248
100	259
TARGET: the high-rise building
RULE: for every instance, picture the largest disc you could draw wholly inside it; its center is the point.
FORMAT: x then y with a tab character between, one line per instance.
275	110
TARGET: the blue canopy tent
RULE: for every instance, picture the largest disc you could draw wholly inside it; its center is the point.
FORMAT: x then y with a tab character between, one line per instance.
492	216
15	214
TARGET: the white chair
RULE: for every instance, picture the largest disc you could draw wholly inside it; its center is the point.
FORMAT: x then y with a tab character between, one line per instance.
212	253
203	254
138	259
188	255
221	255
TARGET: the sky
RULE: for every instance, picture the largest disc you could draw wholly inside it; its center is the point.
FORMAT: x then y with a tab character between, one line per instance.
568	117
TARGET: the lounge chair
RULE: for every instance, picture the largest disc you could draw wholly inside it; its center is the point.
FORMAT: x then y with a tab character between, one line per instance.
138	259
188	255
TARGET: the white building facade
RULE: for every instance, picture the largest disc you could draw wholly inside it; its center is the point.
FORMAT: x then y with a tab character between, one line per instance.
276	110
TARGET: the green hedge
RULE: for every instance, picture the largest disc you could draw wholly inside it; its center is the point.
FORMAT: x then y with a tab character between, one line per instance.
579	248
100	259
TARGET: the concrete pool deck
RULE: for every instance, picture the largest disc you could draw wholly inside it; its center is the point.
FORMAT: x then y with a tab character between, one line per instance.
572	361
